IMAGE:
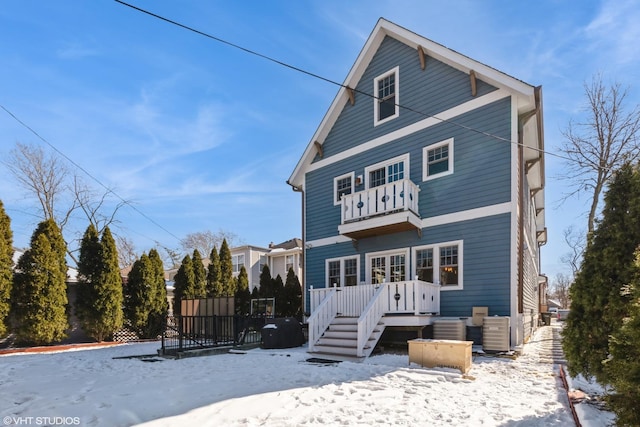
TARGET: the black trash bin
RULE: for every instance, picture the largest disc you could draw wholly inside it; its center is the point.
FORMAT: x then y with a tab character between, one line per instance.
283	332
546	319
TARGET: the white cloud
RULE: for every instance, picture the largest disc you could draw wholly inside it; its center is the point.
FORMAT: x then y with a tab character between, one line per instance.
75	50
615	31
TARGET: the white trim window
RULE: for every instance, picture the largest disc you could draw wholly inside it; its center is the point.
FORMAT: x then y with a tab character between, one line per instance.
440	264
343	271
386	97
342	185
386	172
289	262
437	160
388	266
238	262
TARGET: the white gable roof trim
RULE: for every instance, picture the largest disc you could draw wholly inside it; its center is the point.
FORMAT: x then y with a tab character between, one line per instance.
523	91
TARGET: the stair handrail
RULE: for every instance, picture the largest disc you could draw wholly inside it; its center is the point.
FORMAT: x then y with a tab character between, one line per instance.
321	318
369	319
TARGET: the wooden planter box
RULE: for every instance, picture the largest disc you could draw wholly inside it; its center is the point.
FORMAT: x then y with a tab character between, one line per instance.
441	353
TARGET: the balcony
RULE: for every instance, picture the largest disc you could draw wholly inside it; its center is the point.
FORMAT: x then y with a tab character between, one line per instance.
389	208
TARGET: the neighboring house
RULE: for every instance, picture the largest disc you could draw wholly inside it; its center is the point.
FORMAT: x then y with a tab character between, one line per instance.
423	190
279	258
284	256
552	303
253	258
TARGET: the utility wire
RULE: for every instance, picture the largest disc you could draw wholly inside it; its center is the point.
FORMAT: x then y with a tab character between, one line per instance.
53	147
333	82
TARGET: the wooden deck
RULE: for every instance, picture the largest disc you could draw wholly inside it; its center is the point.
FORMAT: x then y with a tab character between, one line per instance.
350	320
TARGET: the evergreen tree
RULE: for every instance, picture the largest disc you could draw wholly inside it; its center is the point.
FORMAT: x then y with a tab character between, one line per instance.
623	365
89	261
199	274
278	294
243	295
6	268
89	267
140	298
266	283
39	294
184	286
255	295
160	306
100	298
292	296
598	306
109	290
214	287
226	270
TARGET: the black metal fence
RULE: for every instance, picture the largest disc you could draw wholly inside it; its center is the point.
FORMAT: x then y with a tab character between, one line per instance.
199	332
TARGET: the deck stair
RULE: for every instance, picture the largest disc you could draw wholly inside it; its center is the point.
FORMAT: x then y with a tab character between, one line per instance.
341	338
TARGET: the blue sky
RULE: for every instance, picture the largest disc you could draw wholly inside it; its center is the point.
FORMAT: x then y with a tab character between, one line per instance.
201	136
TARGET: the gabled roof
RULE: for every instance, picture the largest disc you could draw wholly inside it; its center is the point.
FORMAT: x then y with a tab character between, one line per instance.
289	244
525	92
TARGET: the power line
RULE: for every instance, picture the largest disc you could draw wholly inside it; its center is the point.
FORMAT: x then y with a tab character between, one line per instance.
333	82
53	147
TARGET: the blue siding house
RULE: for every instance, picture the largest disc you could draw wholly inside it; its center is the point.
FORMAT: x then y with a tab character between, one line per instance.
423	196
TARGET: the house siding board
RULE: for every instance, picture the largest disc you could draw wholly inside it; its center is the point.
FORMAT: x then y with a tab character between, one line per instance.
422	94
530	294
481	169
486	266
482	174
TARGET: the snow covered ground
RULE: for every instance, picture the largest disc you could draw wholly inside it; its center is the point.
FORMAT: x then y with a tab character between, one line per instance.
276	388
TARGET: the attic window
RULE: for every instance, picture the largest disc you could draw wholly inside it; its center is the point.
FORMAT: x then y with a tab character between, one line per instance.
386	98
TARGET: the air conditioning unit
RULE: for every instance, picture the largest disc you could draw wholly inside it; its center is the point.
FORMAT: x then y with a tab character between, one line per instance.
496	334
449	329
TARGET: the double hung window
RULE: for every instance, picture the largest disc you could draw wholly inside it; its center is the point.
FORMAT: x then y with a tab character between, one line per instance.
437	160
289	262
342	185
238	262
342	271
440	264
385	89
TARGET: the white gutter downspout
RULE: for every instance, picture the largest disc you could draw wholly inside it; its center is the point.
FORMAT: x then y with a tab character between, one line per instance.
304	248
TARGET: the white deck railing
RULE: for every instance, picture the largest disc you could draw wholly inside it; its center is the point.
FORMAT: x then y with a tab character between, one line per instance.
369	303
368	321
396	196
411	297
322	316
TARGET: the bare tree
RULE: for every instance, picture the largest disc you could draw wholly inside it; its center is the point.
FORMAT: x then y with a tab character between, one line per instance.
599	145
59	193
93	204
43	176
560	289
172	258
205	241
576	242
126	252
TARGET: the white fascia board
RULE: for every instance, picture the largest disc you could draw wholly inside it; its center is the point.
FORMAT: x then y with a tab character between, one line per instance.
457	60
352	79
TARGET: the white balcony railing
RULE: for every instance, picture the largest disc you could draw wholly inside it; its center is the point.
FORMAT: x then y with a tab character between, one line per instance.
393	197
